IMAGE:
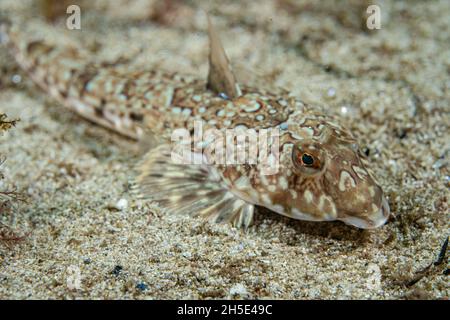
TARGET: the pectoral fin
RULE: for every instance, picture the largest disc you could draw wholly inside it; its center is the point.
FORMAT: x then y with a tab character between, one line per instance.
220	78
192	189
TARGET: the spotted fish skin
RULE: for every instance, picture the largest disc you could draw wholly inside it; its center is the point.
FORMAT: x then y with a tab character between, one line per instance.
128	101
336	186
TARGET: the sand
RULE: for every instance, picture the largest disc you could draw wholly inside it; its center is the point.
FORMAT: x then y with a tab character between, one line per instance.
89	238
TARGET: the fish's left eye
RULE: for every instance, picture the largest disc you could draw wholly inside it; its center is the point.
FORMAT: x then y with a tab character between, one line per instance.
307	159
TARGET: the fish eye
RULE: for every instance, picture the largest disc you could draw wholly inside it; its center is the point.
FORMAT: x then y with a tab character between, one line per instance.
307	159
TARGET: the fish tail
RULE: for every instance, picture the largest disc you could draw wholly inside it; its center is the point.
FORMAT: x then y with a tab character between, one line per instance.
62	71
46	63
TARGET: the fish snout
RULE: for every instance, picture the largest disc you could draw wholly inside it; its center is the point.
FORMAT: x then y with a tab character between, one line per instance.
373	220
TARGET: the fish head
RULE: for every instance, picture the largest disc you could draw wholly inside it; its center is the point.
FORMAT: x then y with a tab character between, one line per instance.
323	176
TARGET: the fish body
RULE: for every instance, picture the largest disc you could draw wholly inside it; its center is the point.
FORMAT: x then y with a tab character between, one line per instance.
321	174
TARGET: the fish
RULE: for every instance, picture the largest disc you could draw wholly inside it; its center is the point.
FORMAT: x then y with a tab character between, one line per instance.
321	173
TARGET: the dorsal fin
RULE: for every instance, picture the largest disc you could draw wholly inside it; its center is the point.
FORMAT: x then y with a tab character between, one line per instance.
220	78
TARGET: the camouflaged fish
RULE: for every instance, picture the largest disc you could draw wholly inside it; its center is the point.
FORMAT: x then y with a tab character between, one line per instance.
322	174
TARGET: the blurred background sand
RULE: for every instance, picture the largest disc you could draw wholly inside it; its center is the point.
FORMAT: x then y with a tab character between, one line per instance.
391	86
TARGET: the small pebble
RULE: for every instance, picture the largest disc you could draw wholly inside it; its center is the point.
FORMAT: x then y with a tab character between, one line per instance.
16	78
331	92
187	255
238	290
438	164
122	204
223	96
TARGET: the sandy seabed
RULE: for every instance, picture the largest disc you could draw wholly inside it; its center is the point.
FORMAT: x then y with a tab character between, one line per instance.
390	86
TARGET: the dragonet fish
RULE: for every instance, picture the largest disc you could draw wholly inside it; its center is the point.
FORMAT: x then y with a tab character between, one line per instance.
321	175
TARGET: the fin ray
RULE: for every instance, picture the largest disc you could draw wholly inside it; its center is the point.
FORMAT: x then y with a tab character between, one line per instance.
220	77
195	190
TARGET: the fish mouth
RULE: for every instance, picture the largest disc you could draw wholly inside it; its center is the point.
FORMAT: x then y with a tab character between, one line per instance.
374	220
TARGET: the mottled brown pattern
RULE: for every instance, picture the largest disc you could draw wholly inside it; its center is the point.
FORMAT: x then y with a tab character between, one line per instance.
135	103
